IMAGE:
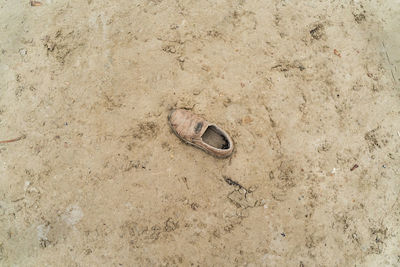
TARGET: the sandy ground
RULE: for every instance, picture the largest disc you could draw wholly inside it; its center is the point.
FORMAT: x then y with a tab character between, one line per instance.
308	90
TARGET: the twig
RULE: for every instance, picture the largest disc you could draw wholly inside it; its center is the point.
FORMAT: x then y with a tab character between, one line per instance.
387	56
390	63
354	167
36	3
12	140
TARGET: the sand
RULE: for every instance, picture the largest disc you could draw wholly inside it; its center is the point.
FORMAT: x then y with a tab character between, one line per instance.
308	90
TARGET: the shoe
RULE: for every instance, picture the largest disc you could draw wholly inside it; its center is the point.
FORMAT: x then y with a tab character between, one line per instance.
196	131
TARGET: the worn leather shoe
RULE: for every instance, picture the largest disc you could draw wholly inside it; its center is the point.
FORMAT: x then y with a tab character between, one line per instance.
200	133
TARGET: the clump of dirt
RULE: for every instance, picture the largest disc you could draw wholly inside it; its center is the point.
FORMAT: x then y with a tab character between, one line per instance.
62	44
359	17
318	31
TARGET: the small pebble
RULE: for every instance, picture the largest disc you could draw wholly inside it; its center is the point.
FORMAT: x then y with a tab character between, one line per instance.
22	52
242	191
196	91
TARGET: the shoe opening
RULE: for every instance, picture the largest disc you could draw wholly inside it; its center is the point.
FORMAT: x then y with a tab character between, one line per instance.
213	137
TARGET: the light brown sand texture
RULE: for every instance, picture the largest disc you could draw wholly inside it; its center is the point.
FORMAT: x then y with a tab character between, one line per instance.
308	90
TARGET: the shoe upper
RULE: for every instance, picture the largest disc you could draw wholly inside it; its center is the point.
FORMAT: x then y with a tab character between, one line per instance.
191	128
